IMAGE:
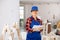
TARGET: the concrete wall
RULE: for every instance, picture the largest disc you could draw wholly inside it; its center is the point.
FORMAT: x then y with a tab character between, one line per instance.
9	12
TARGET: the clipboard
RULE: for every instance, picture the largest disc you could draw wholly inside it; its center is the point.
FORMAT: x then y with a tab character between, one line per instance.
37	26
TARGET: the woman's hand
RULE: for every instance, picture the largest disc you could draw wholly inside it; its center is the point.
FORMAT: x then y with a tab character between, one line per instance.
37	29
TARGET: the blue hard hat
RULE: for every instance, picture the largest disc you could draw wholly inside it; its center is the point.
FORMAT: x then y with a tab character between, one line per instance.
34	8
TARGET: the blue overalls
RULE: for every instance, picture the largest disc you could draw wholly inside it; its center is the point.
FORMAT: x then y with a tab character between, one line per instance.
34	35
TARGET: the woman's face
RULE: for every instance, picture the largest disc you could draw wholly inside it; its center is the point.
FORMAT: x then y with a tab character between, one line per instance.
34	13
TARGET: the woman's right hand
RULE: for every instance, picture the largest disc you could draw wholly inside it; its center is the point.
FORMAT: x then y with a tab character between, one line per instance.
34	29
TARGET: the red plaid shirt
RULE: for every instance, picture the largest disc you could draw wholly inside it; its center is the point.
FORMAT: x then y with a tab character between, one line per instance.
28	22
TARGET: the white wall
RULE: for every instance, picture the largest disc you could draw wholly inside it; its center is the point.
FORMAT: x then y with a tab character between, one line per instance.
9	12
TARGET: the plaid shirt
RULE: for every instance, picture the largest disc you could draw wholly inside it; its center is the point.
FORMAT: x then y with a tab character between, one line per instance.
29	21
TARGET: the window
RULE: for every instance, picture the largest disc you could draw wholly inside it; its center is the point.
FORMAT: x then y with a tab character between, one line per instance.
22	17
21	12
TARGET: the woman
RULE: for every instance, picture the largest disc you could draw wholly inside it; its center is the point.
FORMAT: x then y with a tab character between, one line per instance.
31	21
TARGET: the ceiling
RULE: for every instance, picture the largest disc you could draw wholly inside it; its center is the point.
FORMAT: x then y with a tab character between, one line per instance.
39	1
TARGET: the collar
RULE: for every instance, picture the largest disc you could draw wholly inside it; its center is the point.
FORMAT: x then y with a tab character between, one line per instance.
33	18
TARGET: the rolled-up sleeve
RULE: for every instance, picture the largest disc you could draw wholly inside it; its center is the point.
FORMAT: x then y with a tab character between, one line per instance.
28	22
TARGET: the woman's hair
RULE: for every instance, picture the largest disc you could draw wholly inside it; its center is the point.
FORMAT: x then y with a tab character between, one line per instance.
34	10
